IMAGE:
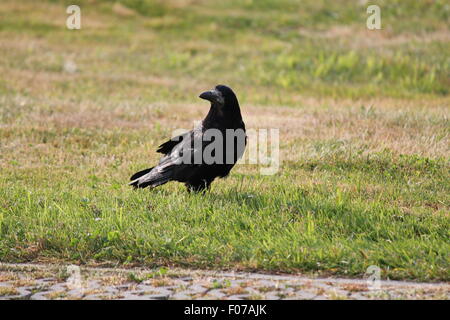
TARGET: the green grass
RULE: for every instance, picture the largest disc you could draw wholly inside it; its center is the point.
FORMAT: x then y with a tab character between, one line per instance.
363	118
308	227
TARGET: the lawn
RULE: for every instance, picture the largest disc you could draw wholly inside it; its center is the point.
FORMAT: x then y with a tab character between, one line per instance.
363	118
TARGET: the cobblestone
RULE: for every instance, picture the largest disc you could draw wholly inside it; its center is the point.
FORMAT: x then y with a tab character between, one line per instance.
44	282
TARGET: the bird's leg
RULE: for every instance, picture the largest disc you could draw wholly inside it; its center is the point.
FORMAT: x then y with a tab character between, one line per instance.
198	186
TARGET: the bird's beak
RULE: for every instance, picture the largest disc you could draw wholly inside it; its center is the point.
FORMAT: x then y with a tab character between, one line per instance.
210	95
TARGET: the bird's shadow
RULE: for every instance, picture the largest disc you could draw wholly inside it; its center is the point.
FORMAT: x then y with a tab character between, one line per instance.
235	195
250	200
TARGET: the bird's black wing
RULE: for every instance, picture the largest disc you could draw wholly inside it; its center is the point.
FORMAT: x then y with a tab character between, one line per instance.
172	166
168	146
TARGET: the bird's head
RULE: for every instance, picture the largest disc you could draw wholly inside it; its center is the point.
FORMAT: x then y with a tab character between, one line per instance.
221	96
224	106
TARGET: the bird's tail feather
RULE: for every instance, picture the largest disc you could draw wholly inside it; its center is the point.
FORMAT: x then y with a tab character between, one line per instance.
146	178
140	173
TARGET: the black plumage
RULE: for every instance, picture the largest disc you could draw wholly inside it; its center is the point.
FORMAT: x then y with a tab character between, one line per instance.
181	154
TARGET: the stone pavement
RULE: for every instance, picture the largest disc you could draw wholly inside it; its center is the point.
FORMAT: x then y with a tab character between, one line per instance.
34	281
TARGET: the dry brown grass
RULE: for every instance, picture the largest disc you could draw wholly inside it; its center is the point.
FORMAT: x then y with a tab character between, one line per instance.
235	291
404	130
8	291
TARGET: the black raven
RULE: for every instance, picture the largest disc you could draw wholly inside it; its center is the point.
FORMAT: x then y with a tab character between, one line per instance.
208	151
